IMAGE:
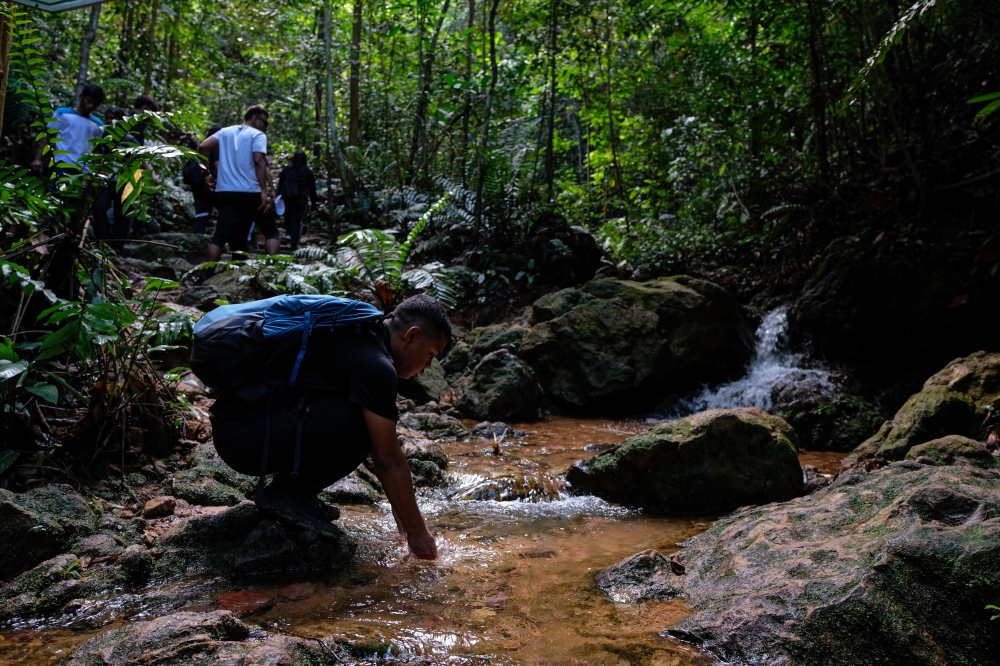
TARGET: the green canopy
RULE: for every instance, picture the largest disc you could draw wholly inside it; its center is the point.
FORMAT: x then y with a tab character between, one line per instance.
57	5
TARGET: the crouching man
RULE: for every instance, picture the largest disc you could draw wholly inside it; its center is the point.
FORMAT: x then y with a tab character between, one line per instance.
341	410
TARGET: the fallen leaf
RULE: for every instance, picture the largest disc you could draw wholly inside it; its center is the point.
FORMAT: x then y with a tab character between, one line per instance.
676	566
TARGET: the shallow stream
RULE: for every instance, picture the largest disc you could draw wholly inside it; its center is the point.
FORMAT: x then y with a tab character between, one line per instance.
513	584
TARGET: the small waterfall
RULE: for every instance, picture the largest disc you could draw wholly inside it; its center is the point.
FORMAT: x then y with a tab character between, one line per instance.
776	375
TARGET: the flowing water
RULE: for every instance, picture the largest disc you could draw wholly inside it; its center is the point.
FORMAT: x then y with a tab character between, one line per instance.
513	584
776	375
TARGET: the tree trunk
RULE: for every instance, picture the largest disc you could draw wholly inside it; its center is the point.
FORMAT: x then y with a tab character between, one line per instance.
550	157
484	140
6	39
317	144
467	111
426	71
89	35
151	47
354	128
331	110
172	54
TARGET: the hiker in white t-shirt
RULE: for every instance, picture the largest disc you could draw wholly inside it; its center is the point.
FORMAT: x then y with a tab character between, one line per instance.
77	127
243	189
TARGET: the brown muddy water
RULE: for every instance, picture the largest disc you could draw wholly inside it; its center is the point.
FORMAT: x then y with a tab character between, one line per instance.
513	583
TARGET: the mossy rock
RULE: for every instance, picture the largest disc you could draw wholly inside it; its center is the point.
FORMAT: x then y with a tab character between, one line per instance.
840	424
977	376
39	524
937	411
618	337
429	385
706	463
502	387
953	450
434	426
891	567
210	481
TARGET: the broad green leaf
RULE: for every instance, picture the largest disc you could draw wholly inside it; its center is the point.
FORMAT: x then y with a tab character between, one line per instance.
11	369
7	458
47	392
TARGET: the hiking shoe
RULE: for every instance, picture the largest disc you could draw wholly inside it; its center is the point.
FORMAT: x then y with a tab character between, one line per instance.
298	511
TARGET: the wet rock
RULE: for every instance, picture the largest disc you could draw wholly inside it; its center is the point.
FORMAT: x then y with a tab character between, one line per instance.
457	362
888	567
434	426
937	411
211	482
977	376
40	523
98	545
201	638
613	338
427	386
202	297
158	507
512	488
241	542
953	450
840	424
645	575
136	565
427	408
813	479
350	490
416	448
564	255
497	430
706	463
425	473
502	387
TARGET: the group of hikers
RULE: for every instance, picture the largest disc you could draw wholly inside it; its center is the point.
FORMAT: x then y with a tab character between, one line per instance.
236	178
339	407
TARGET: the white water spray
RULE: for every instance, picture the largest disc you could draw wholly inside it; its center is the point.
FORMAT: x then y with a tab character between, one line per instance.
775	375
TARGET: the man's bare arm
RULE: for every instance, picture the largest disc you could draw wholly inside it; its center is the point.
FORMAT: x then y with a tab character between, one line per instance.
393	471
263	180
206	148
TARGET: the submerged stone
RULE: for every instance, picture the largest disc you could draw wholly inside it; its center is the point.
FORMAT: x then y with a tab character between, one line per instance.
706	463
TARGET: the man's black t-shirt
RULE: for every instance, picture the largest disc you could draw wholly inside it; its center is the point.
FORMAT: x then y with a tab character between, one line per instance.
353	365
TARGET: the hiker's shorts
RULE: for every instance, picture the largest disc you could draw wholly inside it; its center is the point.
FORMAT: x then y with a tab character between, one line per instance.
237	211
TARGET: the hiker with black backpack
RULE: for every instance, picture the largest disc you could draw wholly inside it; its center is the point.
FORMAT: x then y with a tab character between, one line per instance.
309	392
296	185
196	176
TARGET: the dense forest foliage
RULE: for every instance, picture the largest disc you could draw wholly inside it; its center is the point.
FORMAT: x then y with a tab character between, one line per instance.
683	134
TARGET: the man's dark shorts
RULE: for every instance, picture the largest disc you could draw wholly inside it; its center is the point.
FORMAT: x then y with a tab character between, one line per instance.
236	211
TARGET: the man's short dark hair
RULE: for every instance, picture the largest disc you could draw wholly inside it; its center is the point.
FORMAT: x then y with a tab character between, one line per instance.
94	92
422	309
255	111
212	130
145	100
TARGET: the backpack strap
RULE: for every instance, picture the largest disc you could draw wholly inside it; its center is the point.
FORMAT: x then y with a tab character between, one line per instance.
300	416
306	330
267	445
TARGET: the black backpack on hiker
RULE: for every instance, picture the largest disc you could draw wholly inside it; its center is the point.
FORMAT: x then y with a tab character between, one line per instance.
234	344
291	188
194	173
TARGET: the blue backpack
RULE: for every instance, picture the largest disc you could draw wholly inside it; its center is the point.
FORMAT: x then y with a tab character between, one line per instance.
234	343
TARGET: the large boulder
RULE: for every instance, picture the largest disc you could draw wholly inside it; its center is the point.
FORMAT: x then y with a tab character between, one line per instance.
706	463
428	386
892	567
953	450
216	637
502	387
977	376
467	354
935	412
39	524
563	255
616	337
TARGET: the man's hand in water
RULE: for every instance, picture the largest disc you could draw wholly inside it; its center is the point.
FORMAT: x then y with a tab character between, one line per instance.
423	545
393	471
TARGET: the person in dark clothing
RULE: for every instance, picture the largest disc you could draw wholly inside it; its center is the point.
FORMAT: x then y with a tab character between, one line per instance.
342	409
107	211
203	195
296	185
142	104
